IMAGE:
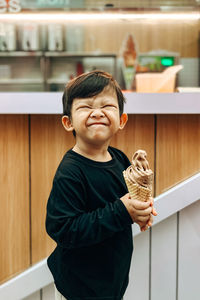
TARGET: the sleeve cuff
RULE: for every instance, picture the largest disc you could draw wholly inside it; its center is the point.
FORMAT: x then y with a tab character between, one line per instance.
123	212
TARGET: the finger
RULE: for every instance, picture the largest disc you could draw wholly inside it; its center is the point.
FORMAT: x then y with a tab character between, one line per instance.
143	212
140	205
154	212
143	219
150	222
144	228
143	225
151	201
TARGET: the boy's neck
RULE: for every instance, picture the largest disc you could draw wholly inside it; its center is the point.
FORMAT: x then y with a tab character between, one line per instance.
97	153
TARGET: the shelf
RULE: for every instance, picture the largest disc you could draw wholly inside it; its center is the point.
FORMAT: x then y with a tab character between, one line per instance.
22	81
57	80
21	53
44	67
78	54
54	54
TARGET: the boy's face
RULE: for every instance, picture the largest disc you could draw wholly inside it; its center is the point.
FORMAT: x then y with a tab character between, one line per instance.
96	119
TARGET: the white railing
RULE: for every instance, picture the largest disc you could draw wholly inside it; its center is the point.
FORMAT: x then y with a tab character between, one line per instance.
175	199
28	282
166	204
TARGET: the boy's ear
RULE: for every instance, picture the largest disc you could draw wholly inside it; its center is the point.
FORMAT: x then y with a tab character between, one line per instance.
66	121
123	120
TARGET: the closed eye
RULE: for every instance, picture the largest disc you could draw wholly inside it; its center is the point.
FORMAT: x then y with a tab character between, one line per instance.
84	107
109	106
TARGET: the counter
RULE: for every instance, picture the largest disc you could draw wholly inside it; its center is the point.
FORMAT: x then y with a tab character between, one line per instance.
137	103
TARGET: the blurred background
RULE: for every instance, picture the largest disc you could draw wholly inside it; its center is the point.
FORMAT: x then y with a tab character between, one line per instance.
45	43
150	47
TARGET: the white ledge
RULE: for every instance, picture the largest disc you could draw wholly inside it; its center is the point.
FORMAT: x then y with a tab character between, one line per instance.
166	204
28	282
137	103
165	103
175	199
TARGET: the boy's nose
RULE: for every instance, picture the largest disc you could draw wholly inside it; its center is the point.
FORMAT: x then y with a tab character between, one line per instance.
97	113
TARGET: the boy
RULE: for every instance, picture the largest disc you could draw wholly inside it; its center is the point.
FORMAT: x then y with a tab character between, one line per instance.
89	212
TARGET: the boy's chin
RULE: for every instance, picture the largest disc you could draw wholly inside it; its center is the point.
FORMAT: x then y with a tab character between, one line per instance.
99	139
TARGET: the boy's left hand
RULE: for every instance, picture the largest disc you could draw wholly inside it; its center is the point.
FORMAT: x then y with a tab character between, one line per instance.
145	226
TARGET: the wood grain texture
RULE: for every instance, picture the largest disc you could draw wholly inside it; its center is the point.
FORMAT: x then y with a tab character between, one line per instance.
49	142
179	36
14	200
137	134
177	158
177	149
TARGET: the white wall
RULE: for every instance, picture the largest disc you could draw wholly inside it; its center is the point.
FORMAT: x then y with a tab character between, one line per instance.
166	261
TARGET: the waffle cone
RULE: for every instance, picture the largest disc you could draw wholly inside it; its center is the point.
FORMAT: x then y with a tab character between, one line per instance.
137	191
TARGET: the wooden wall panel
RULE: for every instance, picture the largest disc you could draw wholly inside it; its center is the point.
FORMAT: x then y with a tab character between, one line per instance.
180	36
49	142
137	134
14	200
177	157
177	149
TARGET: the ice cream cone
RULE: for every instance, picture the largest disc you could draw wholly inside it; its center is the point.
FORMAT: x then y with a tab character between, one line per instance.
137	191
139	177
139	180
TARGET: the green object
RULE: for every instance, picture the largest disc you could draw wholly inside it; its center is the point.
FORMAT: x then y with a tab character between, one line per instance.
129	74
167	61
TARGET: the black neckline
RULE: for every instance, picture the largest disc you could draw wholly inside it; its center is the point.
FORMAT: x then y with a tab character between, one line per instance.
95	163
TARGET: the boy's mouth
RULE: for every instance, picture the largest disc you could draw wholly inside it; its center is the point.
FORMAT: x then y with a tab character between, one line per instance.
98	123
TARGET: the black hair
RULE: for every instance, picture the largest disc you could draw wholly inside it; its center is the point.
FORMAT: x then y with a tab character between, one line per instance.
88	85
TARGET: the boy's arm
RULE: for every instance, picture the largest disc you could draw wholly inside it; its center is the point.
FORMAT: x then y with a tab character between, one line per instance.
70	224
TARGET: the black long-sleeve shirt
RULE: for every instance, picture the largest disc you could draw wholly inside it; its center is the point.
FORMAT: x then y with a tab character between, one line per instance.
91	227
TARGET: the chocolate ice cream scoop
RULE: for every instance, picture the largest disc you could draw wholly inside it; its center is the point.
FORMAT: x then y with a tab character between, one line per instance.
139	180
139	177
139	171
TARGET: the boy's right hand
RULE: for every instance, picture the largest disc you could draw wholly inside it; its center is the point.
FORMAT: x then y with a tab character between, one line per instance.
140	212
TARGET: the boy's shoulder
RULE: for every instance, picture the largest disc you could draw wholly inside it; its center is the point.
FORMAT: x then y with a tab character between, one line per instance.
73	164
119	154
69	164
116	151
